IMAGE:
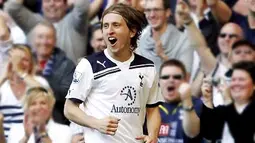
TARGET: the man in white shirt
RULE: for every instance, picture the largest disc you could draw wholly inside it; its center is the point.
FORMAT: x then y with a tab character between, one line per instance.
117	87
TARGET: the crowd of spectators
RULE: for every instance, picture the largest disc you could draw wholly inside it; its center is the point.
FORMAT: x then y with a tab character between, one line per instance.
203	50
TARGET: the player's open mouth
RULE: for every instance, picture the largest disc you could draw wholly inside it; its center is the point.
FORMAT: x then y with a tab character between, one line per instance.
112	40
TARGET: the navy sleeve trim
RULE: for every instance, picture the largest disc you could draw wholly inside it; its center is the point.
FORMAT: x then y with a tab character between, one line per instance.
154	105
75	100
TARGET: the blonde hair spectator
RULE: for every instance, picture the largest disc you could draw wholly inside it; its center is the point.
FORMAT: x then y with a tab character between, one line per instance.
37	92
9	71
18	76
38	125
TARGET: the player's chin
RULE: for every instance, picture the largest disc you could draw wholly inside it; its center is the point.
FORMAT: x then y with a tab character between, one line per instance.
114	49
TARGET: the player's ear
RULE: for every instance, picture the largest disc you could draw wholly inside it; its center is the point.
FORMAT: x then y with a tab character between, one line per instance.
132	33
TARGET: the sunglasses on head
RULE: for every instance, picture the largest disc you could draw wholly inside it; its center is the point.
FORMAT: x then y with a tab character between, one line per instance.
176	77
223	35
36	89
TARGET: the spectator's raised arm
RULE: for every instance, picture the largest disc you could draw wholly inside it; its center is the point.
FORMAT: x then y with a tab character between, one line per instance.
191	121
79	15
94	8
25	18
220	10
196	39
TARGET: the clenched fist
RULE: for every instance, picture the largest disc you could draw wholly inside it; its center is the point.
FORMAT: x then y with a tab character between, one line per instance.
108	125
185	91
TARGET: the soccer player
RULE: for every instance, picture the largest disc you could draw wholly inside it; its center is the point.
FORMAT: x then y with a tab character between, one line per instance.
117	87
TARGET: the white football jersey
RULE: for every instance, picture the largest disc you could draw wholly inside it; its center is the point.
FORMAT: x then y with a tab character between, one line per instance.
112	88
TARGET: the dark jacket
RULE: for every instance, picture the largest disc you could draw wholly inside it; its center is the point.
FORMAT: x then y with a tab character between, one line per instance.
60	80
241	126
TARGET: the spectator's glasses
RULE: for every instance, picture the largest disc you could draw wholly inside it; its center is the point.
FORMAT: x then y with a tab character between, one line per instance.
175	77
223	35
155	10
41	89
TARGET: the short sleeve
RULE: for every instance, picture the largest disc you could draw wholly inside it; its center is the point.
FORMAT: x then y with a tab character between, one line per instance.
155	95
82	81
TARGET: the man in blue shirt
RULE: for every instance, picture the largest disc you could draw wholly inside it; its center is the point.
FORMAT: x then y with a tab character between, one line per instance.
180	108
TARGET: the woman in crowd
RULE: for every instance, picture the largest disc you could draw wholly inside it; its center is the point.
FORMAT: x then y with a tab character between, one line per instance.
38	125
239	115
18	77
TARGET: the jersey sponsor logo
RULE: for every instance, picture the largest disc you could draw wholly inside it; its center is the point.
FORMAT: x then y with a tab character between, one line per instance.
129	96
124	109
77	77
102	64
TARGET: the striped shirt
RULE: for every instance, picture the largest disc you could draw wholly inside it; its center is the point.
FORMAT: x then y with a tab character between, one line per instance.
11	107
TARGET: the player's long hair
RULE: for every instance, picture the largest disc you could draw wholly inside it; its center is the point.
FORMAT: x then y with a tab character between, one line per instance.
134	19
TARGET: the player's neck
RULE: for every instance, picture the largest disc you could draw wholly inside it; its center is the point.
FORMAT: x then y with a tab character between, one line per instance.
121	56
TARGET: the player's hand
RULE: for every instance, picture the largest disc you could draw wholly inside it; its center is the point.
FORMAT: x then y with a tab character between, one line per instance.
147	139
78	138
108	125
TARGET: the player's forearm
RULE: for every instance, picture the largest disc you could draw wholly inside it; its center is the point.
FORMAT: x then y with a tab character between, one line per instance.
75	114
190	122
153	122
